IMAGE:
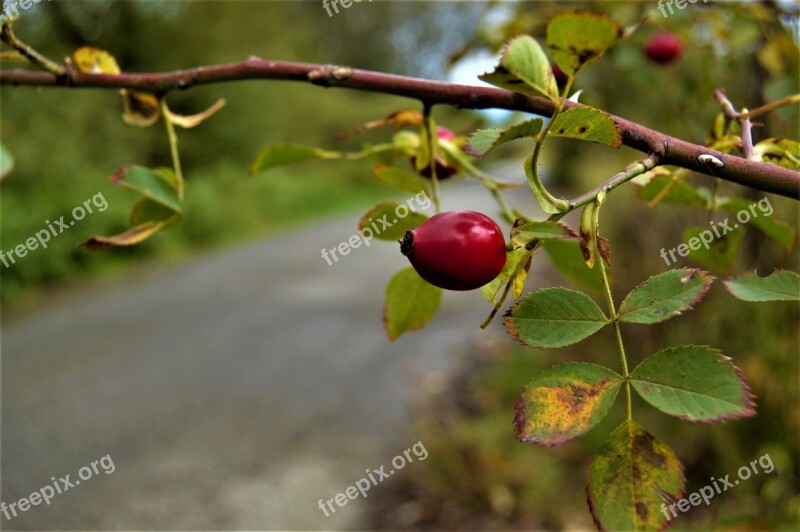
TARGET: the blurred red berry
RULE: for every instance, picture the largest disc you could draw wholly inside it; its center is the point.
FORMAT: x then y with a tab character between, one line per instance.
443	170
663	48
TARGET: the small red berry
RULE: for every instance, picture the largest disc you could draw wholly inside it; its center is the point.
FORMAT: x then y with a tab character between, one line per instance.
456	250
663	48
443	170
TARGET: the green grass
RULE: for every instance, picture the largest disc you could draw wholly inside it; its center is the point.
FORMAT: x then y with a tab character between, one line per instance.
223	206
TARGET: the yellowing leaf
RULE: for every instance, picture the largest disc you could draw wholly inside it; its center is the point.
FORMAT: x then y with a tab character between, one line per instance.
130	237
587	123
90	60
139	109
564	402
631	478
190	121
577	39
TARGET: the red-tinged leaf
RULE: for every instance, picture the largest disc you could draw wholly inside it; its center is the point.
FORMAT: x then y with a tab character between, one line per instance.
564	402
695	383
631	478
665	295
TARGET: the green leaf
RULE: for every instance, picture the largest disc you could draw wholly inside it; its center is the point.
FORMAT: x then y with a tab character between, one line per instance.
718	255
6	162
284	154
587	123
410	303
146	210
781	285
400	179
564	402
384	223
567	258
695	383
541	230
670	189
554	317
548	204
631	478
485	140
782	152
781	232
514	269
153	184
524	68
665	295
577	39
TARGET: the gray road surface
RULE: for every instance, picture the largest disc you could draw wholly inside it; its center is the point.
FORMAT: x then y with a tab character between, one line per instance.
231	391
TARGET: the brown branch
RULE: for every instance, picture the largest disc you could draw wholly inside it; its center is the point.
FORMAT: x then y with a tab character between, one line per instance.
669	150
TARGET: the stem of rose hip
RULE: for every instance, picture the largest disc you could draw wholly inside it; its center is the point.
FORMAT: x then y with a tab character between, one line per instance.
429	129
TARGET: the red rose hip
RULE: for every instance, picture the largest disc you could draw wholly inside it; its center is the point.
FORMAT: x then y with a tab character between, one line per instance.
663	48
456	250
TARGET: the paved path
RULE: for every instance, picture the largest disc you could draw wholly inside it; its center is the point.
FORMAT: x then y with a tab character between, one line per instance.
231	391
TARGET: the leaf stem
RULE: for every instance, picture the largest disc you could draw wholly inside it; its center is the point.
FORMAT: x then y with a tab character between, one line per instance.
173	148
783	102
636	169
8	37
430	137
615	321
534	180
